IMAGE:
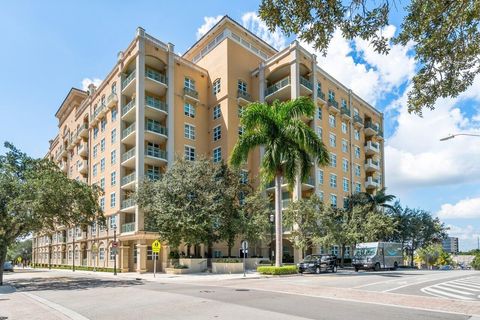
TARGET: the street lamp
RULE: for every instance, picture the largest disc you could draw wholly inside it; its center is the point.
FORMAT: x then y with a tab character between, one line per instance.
272	220
73	260
451	136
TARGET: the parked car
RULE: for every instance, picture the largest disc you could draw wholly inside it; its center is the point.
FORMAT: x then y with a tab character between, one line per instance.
7	266
318	263
446	267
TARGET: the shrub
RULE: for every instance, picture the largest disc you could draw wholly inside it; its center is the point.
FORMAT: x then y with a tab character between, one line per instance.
180	266
228	260
277	270
476	262
265	262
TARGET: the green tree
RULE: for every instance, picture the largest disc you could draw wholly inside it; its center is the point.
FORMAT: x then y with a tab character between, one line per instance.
476	262
445	36
289	146
35	196
304	217
256	213
378	201
22	249
433	255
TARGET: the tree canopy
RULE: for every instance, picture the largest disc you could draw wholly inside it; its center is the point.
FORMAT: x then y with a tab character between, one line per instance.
445	36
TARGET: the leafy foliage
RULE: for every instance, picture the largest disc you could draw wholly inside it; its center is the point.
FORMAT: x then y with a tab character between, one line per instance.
445	36
21	249
271	270
433	255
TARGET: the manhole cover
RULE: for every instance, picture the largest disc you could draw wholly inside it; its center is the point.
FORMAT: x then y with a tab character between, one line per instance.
242	289
206	291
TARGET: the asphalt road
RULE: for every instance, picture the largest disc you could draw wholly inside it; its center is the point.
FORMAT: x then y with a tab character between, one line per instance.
87	296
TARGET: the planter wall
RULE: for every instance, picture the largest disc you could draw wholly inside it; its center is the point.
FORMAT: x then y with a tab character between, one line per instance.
218	267
176	271
194	265
253	263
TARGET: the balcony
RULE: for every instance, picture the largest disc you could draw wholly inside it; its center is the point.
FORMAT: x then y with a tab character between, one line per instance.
243	97
128	111
372	165
155	82
306	87
100	111
189	93
333	105
128	227
128	181
320	95
372	148
372	183
112	100
83	150
128	158
128	205
83	167
370	129
128	84
155	107
346	114
153	176
128	134
357	121
155	132
153	155
63	166
278	90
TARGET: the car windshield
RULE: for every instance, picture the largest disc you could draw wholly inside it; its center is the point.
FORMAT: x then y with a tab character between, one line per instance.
362	252
307	259
325	258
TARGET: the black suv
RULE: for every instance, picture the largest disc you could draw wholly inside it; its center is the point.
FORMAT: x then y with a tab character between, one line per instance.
318	263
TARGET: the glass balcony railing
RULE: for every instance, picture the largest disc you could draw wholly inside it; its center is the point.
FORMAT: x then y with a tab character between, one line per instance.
129	154
346	111
306	83
320	94
155	103
153	176
127	203
128	106
372	162
128	79
244	95
128	178
277	86
155	127
155	75
128	130
190	92
99	109
156	153
128	227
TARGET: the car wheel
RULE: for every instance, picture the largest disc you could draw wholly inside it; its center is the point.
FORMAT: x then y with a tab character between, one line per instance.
300	271
395	266
377	266
334	269
317	270
356	269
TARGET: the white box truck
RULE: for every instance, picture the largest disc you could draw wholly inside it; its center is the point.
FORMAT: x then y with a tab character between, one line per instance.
377	255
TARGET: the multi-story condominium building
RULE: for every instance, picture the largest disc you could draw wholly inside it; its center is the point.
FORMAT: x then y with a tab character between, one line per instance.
450	245
155	105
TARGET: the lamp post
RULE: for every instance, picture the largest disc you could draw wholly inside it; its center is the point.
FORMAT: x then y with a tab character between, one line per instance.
73	260
272	220
459	134
114	245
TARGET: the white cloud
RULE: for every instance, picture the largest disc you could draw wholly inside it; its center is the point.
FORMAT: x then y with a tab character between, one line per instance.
86	82
463	209
208	23
252	22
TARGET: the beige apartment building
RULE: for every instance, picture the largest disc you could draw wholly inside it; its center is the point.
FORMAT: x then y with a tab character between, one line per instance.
156	105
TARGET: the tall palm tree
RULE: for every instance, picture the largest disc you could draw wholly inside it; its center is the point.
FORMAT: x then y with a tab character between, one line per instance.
290	147
379	200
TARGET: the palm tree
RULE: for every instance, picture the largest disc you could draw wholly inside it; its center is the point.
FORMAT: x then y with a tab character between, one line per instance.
289	148
379	200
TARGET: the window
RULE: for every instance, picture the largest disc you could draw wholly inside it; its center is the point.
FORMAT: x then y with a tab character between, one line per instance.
333	160
241	130
358	187
357	170
113	199
345	165
345	203
355	112
114	114
102	165
242	86
95	132
320	195
95	150
113	156
333	200
344	145
331	95
319	113
332	121
319	176
189	131
333	180
334	249
320	133
101	254
217	133
103	124
113	178
333	140
346	184
102	183
112	253
102	100
113	221
357	152
95	169
344	127
344	103
240	111
102	203
217	112
216	86
357	134
189	110
189	83
102	145
217	154
189	153
244	177
114	136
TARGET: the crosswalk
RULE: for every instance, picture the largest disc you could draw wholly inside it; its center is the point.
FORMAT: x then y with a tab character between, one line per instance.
460	289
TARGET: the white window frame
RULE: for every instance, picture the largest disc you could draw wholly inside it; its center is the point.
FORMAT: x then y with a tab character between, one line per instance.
333	180
189	149
217	151
189	131
217	111
217	133
189	110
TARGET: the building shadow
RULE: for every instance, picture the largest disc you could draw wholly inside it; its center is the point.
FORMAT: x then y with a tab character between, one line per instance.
65	283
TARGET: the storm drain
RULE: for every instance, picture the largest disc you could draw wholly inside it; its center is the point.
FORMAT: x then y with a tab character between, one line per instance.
242	289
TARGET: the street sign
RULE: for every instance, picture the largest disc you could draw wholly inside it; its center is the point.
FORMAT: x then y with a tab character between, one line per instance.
156	245
244	245
244	250
114	244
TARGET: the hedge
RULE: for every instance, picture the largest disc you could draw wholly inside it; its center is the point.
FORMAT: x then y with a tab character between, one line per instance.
69	267
277	270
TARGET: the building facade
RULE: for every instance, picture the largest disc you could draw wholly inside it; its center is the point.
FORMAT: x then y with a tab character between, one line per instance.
155	106
450	245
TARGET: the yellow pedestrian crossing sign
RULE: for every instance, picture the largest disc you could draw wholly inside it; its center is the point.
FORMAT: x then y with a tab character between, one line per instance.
156	245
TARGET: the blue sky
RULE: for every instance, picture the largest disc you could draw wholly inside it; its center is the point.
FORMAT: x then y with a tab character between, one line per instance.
50	46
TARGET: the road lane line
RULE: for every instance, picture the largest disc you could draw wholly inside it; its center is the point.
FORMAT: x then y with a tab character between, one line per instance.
65	311
442	287
466	284
429	290
459	287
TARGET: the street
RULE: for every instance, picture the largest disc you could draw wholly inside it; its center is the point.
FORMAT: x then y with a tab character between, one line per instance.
47	294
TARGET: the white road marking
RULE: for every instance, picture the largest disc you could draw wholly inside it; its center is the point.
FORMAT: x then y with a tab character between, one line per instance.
442	294
454	285
460	289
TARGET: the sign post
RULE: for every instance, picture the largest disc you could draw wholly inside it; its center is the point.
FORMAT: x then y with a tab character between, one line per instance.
244	250
156	245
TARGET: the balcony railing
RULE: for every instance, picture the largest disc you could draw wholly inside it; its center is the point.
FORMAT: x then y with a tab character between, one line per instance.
112	98
129	154
127	203
320	94
128	227
277	86
306	83
155	103
333	103
156	153
155	75
190	92
358	119
99	109
128	79
128	178
372	162
155	127
372	126
128	130
346	111
128	106
244	95
153	176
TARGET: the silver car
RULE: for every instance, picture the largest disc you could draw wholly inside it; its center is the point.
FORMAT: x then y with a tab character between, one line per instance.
7	266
